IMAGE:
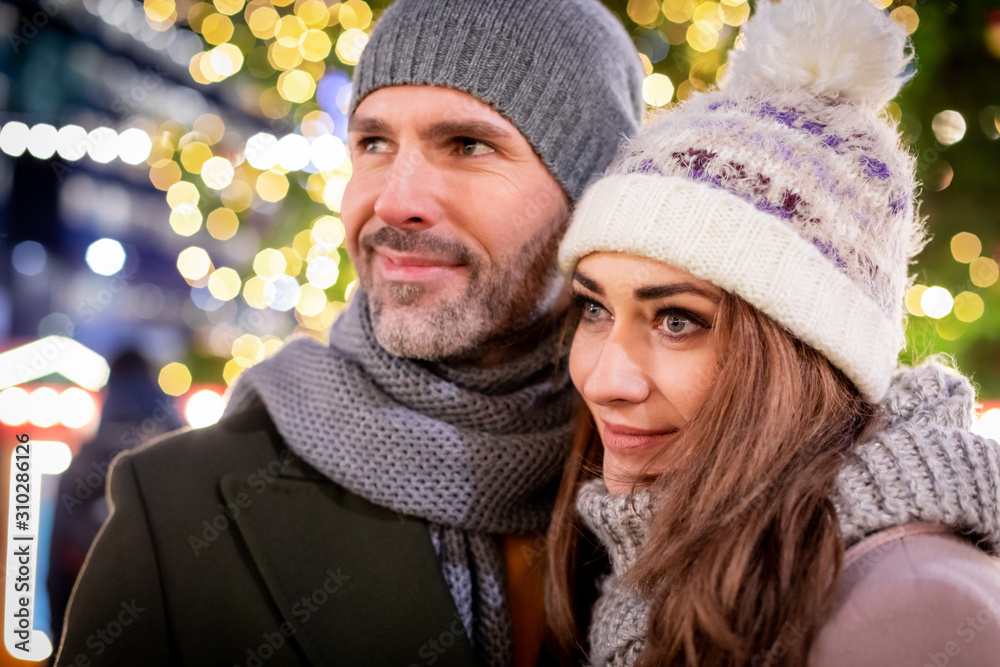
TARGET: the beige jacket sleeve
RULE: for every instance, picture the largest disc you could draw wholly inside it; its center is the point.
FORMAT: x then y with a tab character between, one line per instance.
916	595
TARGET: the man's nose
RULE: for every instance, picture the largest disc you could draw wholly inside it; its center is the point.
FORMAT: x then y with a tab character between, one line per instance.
618	373
410	197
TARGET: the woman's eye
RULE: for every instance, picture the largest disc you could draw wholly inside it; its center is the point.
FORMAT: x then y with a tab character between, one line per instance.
474	147
592	311
676	324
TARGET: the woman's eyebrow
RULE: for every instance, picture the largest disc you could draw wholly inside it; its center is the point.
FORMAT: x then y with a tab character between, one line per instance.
662	291
588	283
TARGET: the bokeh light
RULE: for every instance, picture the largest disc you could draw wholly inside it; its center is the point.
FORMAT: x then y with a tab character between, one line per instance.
105	257
936	302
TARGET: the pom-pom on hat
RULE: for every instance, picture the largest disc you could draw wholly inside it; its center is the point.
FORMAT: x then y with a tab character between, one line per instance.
788	187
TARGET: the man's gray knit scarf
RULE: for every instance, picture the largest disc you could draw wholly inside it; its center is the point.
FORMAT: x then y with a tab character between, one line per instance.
474	452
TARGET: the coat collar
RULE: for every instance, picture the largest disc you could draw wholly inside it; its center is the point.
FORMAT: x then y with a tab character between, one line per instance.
354	582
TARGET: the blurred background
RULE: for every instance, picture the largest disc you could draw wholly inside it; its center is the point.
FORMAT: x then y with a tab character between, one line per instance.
170	182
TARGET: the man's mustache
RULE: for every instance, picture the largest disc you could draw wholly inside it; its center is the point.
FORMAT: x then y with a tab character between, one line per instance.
421	242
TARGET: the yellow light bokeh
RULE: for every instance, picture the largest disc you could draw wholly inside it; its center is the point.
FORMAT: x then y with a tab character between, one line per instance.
293	261
701	37
678	11
238	195
272	186
983	271
269	263
216	28
965	247
231	371
197	13
906	17
217	172
194	155
312	301
248	350
194	263
222	224
258	293
657	90
302	242
228	7
350	44
949	328
912	300
159	10
183	192
315	45
881	4
284	57
289	30
261	22
224	284
314	13
225	59
185	220
164	173
195	69
643	12
969	306
174	379
296	86
709	13
735	15
328	233
354	15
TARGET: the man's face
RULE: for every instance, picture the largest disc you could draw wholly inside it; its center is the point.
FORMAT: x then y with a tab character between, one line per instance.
452	221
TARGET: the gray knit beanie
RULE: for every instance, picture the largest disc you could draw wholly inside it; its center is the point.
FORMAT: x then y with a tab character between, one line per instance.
564	72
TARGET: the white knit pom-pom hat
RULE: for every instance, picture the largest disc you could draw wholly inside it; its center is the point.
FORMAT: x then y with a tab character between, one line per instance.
789	187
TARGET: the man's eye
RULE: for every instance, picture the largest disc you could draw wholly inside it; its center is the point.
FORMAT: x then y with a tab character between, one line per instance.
374	145
473	147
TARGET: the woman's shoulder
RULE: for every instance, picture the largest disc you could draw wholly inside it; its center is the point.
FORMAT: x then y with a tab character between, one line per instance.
917	595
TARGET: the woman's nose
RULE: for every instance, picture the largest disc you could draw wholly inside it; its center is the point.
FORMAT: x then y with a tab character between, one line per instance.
618	374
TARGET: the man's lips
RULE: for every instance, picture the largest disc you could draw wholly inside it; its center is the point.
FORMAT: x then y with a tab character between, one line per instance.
627	439
396	265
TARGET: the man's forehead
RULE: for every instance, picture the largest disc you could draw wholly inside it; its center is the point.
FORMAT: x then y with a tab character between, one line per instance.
434	110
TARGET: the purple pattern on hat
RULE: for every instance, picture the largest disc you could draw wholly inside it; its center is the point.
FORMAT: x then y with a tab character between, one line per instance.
897	203
830	252
647	166
874	168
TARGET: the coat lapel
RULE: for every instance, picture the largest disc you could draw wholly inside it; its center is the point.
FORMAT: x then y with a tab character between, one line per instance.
356	583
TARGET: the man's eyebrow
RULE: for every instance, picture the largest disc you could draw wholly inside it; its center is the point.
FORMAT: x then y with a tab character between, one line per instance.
588	282
475	129
368	125
662	291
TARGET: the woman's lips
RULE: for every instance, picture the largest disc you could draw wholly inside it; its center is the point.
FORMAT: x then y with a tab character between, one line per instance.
406	267
626	439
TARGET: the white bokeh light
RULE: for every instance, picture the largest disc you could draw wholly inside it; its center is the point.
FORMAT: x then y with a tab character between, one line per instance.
936	302
262	151
105	256
134	146
204	408
293	152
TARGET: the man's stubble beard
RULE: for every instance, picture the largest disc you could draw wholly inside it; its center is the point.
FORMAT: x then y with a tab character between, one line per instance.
499	303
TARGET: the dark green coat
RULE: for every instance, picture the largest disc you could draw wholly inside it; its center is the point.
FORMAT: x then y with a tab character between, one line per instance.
225	549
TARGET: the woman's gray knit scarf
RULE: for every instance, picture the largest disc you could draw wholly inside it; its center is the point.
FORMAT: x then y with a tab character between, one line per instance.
474	452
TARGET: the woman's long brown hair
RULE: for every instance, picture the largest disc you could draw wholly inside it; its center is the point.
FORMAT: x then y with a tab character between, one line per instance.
744	549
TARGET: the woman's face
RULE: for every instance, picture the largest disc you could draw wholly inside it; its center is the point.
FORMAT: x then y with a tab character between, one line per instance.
642	357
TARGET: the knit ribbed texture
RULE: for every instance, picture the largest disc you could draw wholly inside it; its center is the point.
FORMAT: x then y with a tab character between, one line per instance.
801	204
925	467
474	452
564	72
